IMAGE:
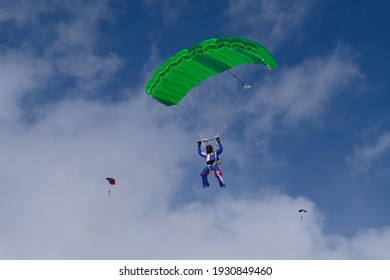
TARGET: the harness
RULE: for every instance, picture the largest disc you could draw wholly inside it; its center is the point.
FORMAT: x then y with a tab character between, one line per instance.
211	163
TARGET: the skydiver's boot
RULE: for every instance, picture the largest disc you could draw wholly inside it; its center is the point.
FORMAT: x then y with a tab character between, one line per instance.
205	172
218	174
205	182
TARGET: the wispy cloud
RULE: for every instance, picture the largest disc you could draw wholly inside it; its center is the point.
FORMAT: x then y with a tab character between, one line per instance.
272	22
60	44
303	92
365	156
55	170
168	11
291	96
21	72
74	52
23	12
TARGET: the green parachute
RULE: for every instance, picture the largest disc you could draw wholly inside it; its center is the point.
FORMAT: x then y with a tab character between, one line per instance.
190	68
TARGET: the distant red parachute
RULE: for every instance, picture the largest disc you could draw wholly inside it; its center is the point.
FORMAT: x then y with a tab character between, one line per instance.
111	180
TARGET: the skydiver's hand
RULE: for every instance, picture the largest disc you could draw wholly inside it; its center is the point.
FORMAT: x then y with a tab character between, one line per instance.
199	143
218	139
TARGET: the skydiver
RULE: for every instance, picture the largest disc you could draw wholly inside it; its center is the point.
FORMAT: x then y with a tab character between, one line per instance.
211	157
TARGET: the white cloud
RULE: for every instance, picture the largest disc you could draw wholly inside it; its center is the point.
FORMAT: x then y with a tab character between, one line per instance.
365	156
68	47
56	205
20	74
73	50
54	202
366	244
272	22
288	97
302	93
54	175
23	12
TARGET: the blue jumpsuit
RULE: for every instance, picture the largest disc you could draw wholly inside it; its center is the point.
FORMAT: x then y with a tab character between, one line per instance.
211	164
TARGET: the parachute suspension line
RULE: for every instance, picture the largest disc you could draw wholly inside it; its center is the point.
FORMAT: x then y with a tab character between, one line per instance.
177	115
191	103
229	99
238	95
209	106
225	96
242	99
204	107
220	105
191	109
195	113
232	97
217	103
227	88
199	108
236	111
182	115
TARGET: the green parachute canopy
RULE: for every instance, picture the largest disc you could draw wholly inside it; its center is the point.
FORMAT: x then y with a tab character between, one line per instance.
189	67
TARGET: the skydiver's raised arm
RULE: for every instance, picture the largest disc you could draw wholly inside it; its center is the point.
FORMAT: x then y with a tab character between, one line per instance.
220	147
200	150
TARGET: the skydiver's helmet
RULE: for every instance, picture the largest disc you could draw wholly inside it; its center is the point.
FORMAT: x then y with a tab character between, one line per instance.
209	149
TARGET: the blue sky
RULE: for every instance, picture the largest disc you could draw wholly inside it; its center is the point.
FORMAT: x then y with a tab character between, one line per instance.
314	135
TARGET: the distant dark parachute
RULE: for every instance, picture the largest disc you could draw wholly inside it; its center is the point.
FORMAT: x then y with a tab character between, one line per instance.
302	211
199	86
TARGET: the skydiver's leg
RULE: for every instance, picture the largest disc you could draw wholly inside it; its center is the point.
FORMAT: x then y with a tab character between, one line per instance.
218	174
205	172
